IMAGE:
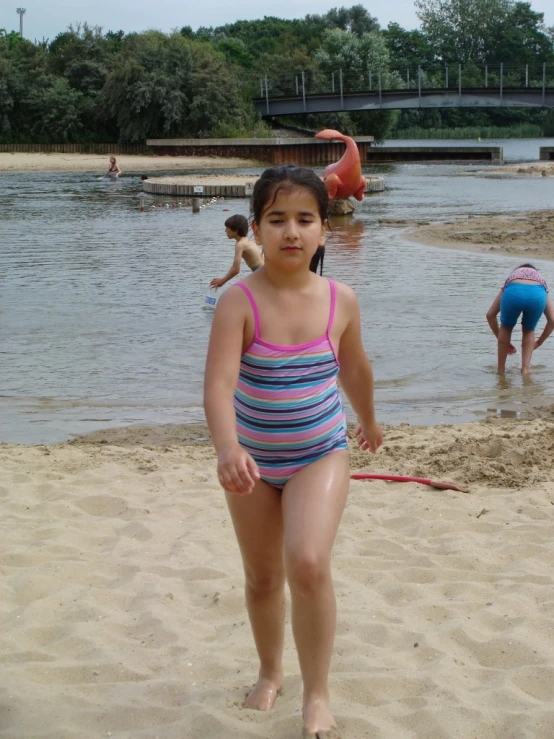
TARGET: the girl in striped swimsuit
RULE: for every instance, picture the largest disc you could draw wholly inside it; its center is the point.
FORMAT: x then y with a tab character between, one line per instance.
279	340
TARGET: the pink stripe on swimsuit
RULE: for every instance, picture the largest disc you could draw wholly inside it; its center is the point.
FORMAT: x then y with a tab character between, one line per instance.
288	407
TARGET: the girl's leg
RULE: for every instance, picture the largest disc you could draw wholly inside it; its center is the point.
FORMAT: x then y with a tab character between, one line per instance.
504	336
527	346
258	522
313	502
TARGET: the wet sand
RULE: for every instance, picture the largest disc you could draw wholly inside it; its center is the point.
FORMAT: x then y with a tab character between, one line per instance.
123	610
525	235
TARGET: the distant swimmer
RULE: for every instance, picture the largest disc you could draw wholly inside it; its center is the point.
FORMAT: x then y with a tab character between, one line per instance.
525	293
236	227
114	170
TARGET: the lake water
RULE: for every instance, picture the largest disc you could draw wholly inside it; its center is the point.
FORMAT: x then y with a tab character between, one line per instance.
102	318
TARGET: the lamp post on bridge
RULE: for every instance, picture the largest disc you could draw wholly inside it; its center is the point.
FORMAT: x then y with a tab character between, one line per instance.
21	12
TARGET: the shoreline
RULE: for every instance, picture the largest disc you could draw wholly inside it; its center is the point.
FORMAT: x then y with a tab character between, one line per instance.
525	235
136	163
396	453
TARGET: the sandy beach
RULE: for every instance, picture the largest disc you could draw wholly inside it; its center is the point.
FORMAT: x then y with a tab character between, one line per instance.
525	235
122	604
23	162
540	169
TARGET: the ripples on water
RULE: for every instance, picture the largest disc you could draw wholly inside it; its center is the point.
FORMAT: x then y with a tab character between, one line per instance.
102	320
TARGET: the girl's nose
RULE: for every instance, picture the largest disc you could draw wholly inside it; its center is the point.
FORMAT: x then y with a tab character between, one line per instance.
291	229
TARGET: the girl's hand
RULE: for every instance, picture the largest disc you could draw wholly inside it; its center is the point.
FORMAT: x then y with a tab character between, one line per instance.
512	349
237	471
369	436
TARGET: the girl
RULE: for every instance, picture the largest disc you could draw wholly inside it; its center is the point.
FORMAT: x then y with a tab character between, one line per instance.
272	405
525	292
114	170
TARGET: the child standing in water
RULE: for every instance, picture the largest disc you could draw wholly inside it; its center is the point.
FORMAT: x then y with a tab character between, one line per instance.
278	342
525	293
236	227
114	169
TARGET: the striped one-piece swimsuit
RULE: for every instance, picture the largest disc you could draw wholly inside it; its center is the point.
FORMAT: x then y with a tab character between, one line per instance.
288	407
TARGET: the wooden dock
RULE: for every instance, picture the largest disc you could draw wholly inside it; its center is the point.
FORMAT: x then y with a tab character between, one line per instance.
311	152
237	186
306	152
425	154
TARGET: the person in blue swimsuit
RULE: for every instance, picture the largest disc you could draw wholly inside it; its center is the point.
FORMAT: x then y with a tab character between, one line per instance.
525	294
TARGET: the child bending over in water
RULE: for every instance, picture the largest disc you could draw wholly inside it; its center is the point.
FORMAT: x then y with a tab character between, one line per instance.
525	293
236	227
279	340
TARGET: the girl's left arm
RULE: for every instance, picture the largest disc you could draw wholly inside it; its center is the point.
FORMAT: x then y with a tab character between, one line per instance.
356	375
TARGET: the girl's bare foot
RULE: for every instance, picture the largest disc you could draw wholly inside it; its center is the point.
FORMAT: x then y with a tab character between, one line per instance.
264	693
318	720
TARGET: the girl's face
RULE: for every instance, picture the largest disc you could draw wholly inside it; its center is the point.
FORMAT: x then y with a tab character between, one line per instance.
290	229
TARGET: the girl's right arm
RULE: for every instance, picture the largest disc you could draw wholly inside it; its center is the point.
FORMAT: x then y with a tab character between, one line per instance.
236	469
493	312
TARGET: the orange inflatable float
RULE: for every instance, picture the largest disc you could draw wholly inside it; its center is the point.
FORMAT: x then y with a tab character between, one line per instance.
344	178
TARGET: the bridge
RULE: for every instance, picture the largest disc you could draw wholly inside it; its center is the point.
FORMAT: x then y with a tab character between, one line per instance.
449	86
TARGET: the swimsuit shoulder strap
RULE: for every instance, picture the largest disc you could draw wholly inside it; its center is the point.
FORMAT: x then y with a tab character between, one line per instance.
254	309
332	308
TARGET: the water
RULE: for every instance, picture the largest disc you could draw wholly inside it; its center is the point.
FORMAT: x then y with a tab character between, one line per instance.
103	321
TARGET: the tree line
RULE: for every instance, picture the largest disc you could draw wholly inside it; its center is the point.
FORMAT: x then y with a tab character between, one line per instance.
88	85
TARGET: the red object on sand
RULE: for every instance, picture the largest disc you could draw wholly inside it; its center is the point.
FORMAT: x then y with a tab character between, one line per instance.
402	478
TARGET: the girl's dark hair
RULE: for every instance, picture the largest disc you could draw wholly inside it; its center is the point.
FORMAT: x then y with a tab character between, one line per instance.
317	260
532	266
275	179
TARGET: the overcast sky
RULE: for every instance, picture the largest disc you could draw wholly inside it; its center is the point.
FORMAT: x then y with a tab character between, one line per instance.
47	18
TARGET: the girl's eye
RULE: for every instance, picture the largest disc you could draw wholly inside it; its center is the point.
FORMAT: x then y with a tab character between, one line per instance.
276	220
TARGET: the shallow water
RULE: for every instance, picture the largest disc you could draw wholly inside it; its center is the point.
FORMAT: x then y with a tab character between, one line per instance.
102	318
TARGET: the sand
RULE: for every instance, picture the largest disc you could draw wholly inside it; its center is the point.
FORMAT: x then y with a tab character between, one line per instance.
209	179
525	235
21	162
540	169
122	604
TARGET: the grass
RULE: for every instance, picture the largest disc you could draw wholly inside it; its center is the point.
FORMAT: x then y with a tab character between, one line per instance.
520	131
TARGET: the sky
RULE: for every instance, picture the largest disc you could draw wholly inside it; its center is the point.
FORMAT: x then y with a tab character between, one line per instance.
47	18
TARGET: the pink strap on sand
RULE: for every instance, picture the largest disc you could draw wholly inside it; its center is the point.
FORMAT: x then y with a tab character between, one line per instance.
254	309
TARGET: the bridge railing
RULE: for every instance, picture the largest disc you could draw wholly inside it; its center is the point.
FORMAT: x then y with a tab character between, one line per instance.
496	76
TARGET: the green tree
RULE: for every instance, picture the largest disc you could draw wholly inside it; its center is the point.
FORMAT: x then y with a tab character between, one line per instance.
408	48
56	112
463	30
356	20
146	91
357	56
523	39
169	86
